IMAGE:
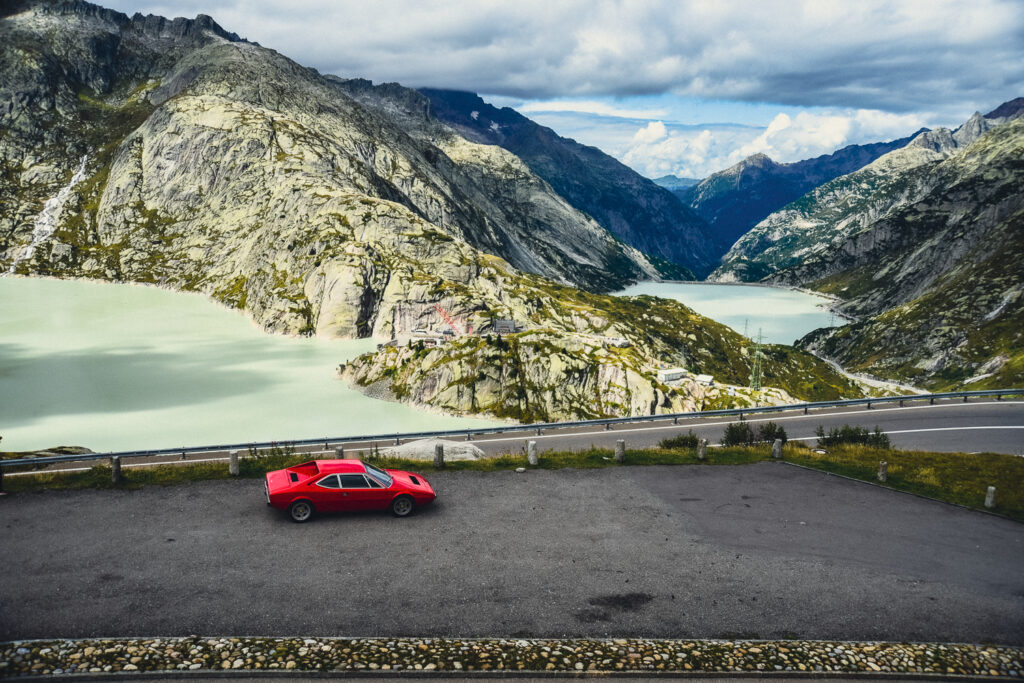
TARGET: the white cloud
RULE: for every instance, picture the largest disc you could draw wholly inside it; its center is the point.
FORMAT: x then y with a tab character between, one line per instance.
651	133
590	107
697	153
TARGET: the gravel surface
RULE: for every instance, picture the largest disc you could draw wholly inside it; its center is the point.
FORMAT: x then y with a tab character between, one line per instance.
384	655
764	551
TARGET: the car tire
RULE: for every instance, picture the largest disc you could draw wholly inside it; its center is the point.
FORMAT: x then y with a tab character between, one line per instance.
402	506
301	511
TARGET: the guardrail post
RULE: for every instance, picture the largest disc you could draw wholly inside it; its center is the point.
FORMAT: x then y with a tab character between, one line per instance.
965	398
999	397
675	420
741	414
777	449
901	403
469	437
702	449
805	410
607	426
531	452
339	451
183	454
931	401
869	405
439	456
883	471
538	431
620	451
115	469
233	463
990	497
327	446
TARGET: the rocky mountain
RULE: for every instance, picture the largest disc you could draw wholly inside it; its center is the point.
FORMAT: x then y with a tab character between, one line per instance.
734	200
674	183
923	247
634	209
173	152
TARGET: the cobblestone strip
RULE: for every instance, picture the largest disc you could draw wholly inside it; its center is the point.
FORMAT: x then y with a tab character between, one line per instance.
38	657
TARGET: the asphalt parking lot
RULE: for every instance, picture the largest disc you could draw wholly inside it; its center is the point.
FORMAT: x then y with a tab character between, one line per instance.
758	551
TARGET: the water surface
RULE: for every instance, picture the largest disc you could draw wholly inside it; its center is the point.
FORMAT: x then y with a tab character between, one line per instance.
121	367
782	315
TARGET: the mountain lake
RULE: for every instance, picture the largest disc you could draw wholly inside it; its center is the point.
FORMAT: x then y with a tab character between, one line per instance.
118	367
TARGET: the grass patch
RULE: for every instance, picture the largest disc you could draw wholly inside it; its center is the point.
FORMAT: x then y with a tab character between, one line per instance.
952	477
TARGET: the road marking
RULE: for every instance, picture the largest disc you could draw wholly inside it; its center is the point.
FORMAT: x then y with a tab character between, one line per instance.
602	431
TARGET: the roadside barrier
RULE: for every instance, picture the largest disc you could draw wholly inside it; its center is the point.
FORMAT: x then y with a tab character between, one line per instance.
607	423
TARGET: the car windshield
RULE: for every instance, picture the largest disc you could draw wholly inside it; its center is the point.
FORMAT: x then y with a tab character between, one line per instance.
380	475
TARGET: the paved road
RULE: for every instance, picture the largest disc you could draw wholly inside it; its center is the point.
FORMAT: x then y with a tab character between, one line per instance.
951	426
765	550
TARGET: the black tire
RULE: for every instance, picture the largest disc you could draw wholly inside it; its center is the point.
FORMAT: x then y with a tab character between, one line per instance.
402	506
301	511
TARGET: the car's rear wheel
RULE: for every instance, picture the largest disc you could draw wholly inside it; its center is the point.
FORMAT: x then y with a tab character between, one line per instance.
402	506
301	511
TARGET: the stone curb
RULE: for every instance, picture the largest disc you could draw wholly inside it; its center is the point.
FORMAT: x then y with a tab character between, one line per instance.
193	655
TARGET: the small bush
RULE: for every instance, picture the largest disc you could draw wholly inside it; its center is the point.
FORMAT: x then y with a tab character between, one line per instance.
742	434
688	440
738	434
848	434
770	431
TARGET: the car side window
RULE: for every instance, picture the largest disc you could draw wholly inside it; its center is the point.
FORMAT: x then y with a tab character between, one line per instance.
353	481
329	482
373	483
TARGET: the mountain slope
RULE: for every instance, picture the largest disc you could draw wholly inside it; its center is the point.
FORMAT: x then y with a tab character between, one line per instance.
631	207
734	200
214	164
935	274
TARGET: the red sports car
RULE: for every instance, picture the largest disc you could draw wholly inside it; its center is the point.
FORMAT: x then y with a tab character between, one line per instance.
337	485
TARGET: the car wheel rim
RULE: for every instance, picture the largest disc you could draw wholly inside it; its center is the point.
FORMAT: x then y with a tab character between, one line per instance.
301	511
403	507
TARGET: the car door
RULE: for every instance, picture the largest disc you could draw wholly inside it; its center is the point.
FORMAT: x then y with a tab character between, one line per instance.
358	494
327	494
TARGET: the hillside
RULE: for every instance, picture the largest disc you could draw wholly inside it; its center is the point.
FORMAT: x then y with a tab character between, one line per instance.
631	207
922	247
736	199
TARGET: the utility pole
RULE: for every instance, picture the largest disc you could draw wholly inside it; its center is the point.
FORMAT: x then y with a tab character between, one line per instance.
755	368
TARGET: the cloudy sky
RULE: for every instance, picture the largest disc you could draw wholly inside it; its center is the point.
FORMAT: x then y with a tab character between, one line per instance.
667	86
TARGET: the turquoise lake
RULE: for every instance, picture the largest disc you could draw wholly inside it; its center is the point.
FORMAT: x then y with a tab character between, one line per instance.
118	367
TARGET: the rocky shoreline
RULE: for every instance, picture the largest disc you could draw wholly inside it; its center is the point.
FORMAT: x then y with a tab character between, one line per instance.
202	654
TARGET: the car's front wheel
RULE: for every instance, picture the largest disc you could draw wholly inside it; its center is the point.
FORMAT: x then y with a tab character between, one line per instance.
301	511
402	506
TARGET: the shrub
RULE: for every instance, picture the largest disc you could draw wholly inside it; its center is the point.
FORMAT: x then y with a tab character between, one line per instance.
848	434
770	431
688	440
738	434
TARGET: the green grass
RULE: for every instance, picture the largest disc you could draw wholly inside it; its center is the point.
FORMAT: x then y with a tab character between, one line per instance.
953	477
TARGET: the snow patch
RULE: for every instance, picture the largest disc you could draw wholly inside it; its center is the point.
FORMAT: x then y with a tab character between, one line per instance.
474	115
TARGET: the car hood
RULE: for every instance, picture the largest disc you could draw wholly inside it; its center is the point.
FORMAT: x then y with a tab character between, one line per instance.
411	480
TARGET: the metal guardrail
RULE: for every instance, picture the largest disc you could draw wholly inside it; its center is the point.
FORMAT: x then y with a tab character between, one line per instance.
537	427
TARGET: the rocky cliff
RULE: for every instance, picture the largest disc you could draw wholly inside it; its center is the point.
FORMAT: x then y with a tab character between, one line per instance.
173	152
